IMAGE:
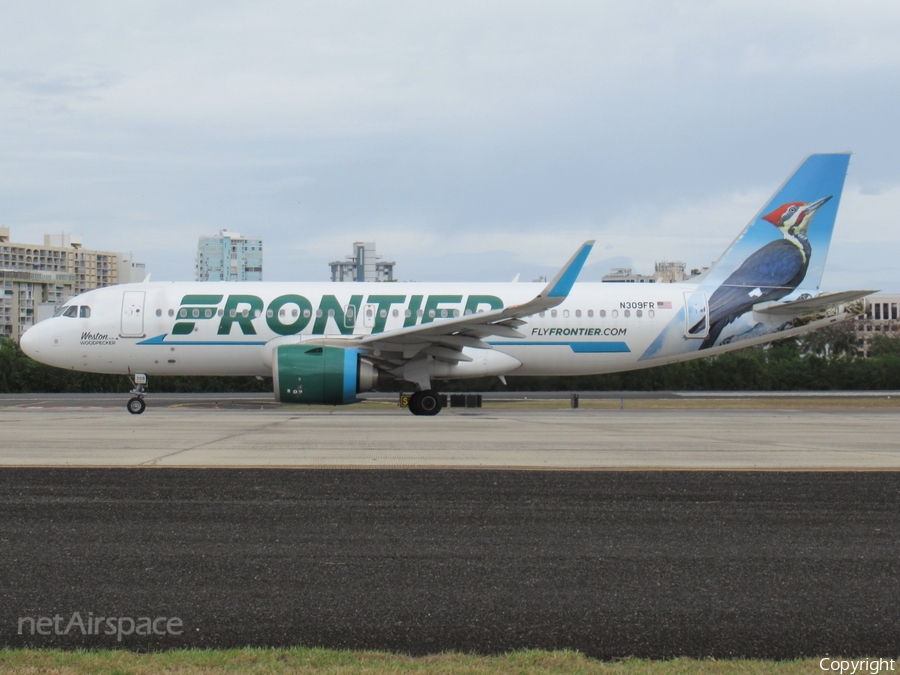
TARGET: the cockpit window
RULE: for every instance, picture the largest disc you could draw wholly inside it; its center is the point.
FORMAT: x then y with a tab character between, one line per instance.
71	311
85	312
59	311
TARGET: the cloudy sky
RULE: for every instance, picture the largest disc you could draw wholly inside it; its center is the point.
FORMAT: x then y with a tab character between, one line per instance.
470	140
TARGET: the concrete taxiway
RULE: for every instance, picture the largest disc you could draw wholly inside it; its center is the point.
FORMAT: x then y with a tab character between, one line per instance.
380	435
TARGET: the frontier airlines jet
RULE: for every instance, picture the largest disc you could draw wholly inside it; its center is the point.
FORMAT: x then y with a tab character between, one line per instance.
325	343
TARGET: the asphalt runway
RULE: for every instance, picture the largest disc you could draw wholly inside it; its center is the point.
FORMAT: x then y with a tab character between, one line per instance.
653	564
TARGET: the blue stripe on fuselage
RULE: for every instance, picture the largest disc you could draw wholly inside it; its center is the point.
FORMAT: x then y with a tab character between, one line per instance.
577	347
161	340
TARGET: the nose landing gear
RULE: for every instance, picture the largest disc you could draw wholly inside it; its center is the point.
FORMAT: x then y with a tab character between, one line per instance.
136	404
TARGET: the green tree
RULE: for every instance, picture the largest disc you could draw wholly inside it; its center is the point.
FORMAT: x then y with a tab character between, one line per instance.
834	340
883	345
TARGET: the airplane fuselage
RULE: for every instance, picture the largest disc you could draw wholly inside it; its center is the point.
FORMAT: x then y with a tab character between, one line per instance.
232	328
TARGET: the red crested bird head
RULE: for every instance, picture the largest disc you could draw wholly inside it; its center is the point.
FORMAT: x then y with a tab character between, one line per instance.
783	212
794	217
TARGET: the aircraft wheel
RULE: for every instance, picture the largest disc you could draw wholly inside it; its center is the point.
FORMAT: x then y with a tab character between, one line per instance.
429	402
136	405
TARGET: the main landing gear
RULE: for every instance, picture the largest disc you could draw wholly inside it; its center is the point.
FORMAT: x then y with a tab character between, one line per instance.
136	404
427	402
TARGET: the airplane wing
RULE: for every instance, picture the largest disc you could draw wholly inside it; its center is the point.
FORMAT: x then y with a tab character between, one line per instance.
809	305
444	339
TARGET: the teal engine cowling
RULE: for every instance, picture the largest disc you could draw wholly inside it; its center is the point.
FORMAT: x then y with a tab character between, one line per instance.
321	375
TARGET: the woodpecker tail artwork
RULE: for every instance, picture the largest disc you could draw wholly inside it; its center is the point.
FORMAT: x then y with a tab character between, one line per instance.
778	258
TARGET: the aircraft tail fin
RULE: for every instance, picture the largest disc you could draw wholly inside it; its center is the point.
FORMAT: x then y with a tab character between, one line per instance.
814	188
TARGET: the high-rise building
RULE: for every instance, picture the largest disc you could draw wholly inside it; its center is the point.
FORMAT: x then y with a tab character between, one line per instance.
130	271
881	315
624	275
35	279
666	273
362	265
229	256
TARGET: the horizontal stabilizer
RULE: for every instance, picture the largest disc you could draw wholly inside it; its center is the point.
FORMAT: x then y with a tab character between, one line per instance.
799	307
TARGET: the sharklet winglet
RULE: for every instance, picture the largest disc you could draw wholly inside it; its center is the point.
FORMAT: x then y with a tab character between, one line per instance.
561	284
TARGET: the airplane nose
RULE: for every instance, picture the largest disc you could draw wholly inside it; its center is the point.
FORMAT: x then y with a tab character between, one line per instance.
29	342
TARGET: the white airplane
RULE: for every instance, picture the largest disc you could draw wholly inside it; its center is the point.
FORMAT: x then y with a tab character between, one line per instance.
325	343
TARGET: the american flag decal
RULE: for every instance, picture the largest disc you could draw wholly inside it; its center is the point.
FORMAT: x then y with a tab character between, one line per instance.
664	305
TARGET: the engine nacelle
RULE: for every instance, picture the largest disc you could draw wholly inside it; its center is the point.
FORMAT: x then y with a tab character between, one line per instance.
320	375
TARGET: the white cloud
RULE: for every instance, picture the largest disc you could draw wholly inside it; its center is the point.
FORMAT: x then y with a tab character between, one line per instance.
359	67
870	216
442	130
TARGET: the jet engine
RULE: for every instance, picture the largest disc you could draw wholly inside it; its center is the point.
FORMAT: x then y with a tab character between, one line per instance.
321	375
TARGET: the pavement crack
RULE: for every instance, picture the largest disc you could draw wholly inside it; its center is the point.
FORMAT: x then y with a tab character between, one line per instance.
245	432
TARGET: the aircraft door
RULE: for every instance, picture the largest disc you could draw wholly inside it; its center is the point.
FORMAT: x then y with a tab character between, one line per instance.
133	314
696	315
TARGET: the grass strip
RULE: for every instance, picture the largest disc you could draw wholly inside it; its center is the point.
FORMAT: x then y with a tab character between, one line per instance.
303	660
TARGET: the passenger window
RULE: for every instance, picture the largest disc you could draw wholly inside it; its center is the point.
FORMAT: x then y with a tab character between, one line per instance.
85	312
578	313
71	311
591	313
